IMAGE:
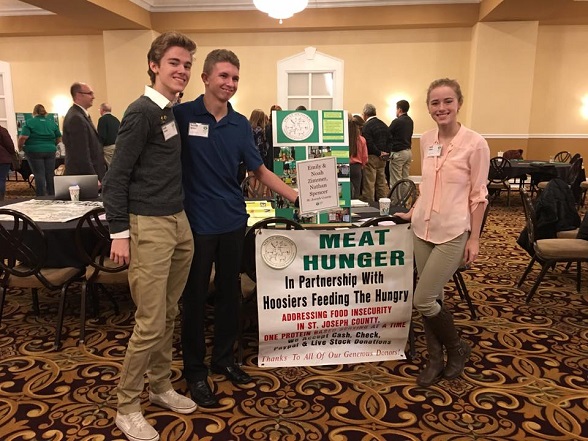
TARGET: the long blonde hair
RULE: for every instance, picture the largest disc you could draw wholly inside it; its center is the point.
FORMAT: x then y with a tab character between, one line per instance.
258	119
354	132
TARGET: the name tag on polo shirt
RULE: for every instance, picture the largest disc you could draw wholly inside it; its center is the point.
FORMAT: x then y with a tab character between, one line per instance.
198	129
169	130
434	150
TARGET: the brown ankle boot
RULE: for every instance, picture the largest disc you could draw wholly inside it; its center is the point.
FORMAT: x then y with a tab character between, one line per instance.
458	351
432	371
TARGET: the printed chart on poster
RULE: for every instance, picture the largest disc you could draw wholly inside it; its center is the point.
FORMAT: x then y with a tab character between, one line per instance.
333	296
310	128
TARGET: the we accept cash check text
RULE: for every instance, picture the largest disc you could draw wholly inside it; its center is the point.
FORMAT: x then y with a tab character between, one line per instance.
333	297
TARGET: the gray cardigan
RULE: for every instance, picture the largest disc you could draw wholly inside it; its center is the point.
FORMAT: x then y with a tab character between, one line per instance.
145	176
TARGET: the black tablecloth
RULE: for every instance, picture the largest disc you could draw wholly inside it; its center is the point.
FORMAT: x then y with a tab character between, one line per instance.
528	167
61	241
374	211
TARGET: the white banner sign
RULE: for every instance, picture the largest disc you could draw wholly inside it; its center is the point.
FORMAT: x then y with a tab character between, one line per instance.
333	297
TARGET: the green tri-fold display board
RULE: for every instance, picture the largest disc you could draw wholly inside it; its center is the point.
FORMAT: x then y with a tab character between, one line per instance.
22	117
307	134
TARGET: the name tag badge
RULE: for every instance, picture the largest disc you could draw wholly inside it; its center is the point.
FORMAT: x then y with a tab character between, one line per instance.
169	130
434	150
198	129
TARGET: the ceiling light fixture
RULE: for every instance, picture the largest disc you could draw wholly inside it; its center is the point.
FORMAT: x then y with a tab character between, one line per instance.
280	9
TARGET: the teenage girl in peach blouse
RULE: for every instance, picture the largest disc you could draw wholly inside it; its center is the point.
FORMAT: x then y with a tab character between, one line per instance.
446	221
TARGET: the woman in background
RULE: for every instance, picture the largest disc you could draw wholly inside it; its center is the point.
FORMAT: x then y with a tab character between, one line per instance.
358	156
275	152
39	137
357	119
6	155
446	222
258	121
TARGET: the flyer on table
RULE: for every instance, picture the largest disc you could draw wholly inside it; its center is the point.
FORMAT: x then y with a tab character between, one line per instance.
318	187
333	296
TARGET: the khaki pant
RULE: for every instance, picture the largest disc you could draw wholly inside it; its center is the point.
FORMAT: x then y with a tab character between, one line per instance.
374	179
400	165
161	254
108	154
436	264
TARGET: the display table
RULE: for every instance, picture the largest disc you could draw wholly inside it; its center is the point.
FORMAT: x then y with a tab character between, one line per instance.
60	236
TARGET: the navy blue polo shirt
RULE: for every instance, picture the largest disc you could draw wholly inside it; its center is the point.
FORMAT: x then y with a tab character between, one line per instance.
211	154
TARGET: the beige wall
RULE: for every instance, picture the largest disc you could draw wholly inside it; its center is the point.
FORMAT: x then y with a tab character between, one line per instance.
125	60
381	67
519	79
561	81
502	68
45	67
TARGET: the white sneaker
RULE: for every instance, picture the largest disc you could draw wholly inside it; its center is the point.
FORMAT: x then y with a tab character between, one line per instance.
173	401
135	427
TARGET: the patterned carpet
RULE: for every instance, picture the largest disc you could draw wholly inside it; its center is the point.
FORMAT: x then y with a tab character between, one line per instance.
526	379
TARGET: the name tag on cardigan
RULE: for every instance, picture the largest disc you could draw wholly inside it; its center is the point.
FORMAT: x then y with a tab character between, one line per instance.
169	130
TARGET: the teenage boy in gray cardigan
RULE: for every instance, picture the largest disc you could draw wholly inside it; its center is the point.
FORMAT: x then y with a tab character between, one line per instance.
143	198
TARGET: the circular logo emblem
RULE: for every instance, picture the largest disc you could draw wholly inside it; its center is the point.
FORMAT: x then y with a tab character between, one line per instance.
297	126
278	251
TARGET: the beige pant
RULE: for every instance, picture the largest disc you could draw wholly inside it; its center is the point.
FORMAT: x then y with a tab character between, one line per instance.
400	165
160	263
108	154
436	264
374	179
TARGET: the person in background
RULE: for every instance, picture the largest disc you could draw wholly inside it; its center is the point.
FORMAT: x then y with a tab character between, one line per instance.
7	152
358	157
108	125
446	222
400	130
375	132
179	97
301	107
357	119
83	150
215	140
258	121
275	151
513	154
39	138
143	198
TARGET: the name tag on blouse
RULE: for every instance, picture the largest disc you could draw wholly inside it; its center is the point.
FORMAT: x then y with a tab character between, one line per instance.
434	150
198	129
169	130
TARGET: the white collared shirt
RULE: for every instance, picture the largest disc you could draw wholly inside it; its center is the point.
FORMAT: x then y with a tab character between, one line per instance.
157	97
85	111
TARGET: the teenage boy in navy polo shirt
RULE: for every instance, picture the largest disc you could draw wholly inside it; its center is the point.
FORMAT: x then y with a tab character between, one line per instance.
215	139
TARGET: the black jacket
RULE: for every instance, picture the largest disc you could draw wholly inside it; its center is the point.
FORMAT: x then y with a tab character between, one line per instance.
554	211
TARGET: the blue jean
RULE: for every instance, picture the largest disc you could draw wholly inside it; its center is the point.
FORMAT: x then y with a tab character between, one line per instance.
4	169
43	167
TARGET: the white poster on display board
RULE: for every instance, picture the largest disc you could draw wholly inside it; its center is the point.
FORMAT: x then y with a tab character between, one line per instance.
333	296
318	186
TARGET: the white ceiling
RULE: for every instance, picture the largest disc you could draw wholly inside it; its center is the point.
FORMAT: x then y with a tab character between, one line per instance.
18	8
